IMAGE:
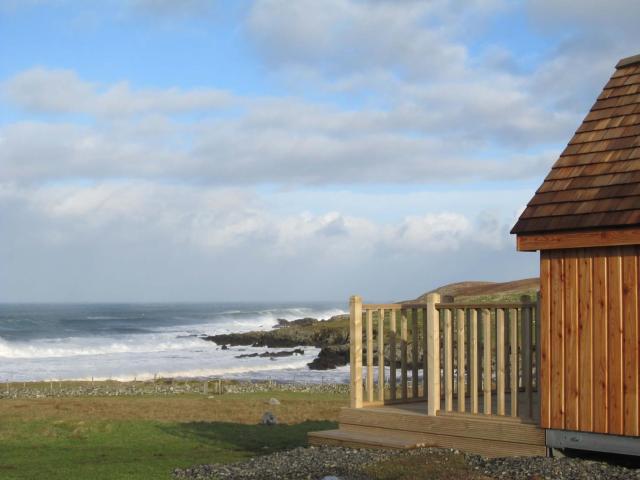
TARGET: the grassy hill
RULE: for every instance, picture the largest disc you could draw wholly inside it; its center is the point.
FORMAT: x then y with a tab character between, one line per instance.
487	292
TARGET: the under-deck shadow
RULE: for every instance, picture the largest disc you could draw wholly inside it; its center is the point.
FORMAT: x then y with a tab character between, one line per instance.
253	439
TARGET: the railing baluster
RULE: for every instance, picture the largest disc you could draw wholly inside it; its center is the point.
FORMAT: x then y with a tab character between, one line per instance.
403	352
425	359
448	360
370	355
526	360
355	350
415	381
460	324
392	354
486	368
473	359
433	353
381	355
500	363
513	330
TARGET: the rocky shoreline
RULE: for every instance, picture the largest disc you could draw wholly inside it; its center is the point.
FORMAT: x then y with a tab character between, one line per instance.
331	336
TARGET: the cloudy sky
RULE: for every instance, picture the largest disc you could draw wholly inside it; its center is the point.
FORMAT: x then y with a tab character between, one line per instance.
160	150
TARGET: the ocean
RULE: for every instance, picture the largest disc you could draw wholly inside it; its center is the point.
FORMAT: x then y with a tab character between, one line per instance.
142	341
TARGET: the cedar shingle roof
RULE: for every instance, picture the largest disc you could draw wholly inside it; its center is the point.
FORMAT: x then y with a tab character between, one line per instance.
596	181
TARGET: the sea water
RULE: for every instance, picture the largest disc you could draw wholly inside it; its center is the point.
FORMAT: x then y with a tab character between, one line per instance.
143	341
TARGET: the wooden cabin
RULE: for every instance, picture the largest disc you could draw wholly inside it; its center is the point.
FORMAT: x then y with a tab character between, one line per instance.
560	370
585	221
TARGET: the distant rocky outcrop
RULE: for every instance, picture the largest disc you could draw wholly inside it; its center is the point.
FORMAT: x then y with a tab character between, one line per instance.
297	333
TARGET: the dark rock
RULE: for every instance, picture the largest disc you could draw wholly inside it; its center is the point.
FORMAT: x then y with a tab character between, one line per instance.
330	358
267	354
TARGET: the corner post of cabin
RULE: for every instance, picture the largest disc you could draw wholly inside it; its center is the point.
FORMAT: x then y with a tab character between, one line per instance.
355	350
433	354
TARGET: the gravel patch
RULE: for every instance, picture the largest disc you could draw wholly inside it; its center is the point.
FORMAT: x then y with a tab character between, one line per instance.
316	463
539	468
313	463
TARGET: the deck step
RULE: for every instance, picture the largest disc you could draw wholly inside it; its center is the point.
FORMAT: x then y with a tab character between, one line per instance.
359	439
479	446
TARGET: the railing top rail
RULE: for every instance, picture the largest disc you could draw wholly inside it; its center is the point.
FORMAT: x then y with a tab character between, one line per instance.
399	306
376	306
486	305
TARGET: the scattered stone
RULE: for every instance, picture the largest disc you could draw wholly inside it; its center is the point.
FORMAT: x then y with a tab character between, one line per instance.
274	401
269	419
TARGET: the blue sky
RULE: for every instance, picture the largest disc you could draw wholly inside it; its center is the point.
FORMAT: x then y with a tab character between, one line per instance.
278	150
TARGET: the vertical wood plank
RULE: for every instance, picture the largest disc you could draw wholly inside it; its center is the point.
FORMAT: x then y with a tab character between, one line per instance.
448	361
370	386
486	366
403	353
415	380
433	353
630	326
355	350
585	344
557	339
507	337
527	366
473	359
392	355
571	371
500	361
538	354
637	330
381	355
460	324
600	337
614	317
544	342
513	361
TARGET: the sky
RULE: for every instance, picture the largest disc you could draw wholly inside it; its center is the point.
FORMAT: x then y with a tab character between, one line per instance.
279	150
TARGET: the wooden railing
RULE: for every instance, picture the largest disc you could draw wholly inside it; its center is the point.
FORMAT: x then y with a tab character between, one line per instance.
456	357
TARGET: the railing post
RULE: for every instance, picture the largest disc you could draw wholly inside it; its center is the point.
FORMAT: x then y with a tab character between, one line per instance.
433	354
355	350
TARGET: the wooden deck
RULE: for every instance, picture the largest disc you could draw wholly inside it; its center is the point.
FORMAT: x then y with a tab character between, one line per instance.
404	426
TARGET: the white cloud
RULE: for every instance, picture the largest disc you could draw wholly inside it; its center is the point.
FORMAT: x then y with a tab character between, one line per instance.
62	91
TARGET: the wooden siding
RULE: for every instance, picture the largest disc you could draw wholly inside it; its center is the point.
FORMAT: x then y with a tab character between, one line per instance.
590	365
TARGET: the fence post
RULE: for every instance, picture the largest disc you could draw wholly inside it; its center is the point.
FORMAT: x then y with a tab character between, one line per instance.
355	350
433	354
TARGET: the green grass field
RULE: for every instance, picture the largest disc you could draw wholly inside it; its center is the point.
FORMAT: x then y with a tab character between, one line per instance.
147	437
